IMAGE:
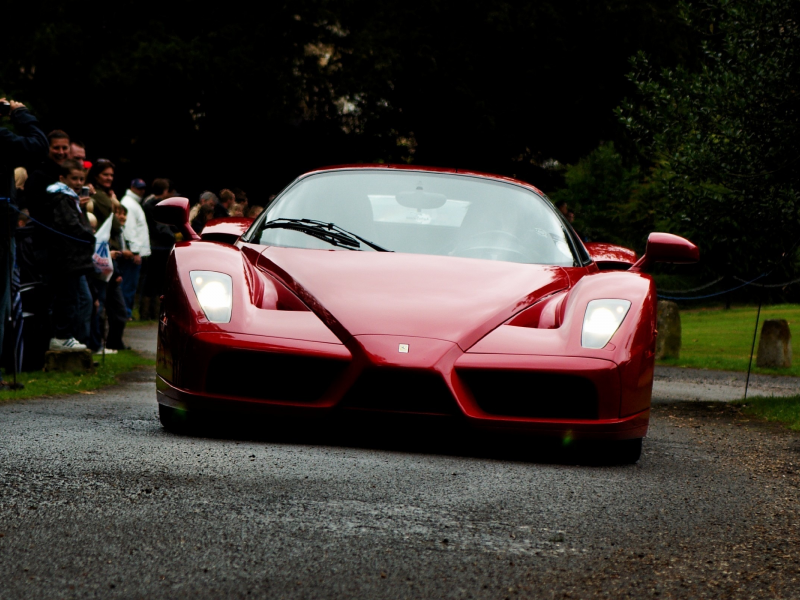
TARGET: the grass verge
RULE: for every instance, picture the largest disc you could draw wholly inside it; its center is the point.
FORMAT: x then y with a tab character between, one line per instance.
40	383
780	410
137	324
715	338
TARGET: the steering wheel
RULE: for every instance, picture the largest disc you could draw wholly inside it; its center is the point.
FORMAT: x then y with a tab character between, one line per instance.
484	245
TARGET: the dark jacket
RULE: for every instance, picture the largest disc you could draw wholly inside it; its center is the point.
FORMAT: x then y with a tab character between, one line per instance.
103	208
25	147
36	196
220	212
198	223
39	204
74	253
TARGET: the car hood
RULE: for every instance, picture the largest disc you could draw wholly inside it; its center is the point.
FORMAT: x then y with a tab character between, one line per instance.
379	293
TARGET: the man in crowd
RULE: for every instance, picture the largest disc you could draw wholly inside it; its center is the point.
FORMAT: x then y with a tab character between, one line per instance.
137	234
241	200
204	211
59	146
27	145
222	207
562	207
77	151
161	239
44	175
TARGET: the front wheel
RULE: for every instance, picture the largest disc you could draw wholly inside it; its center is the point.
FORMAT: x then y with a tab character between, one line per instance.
626	452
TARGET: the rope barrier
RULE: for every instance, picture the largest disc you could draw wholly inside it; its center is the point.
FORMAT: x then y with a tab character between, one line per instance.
744	283
61	233
738	287
771	285
697	289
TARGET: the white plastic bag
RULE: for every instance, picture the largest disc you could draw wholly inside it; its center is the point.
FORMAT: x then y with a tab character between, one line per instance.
103	267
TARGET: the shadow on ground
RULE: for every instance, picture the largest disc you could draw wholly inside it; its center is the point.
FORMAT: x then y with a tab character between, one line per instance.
411	434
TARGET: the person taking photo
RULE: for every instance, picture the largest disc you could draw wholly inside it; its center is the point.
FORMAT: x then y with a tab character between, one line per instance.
25	145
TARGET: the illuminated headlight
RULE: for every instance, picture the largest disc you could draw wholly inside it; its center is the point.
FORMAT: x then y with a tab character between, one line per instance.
601	321
214	293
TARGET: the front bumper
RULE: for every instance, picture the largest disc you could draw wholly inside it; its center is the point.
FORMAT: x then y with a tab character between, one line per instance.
575	397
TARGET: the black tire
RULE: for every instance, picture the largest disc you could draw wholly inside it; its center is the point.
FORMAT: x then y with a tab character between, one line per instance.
627	452
175	420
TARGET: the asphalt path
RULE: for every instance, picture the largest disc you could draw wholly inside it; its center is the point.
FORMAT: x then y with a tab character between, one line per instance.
98	501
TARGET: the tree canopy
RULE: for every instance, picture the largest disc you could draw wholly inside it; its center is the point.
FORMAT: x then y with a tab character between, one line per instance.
241	93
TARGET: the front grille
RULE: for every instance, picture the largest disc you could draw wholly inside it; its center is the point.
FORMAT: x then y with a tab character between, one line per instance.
531	394
401	390
270	376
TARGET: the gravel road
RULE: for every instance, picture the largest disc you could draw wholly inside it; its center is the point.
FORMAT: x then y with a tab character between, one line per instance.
673	384
98	501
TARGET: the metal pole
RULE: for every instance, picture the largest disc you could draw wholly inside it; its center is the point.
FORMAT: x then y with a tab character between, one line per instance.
752	348
10	265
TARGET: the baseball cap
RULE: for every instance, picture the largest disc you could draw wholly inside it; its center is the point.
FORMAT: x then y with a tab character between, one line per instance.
139	184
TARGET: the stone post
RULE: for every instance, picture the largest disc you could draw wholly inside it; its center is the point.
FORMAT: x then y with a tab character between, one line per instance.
71	361
668	323
775	345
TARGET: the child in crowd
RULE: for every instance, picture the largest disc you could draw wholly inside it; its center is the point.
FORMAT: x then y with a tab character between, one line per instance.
72	247
116	313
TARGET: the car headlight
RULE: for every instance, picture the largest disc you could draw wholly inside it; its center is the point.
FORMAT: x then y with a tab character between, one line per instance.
214	293
601	321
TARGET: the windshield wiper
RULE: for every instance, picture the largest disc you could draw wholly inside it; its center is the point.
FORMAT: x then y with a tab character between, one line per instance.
328	232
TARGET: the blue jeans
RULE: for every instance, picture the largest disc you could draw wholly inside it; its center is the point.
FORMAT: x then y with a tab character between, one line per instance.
84	312
66	291
130	279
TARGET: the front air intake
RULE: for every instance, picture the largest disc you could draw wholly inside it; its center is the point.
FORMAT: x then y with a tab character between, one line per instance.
532	394
401	390
270	376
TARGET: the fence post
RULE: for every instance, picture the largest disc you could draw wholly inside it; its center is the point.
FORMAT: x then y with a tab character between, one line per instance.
668	323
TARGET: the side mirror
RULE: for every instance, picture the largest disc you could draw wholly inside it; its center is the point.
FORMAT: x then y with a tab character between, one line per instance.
175	212
668	248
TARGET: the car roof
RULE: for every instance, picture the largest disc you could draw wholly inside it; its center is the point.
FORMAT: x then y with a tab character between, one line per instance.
403	167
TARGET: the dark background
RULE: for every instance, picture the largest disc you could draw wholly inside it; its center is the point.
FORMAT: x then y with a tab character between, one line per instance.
228	94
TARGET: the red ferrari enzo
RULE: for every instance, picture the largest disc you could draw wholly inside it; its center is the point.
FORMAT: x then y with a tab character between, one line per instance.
411	290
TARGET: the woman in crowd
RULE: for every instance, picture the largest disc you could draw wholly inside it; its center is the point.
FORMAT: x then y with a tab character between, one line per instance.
104	199
106	206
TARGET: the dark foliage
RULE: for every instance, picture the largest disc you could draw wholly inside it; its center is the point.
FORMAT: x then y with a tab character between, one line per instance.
725	136
250	94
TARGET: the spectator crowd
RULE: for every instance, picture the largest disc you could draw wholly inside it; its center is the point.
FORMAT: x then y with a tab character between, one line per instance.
54	201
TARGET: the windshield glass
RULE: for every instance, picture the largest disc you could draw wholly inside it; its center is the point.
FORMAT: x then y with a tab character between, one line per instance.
422	213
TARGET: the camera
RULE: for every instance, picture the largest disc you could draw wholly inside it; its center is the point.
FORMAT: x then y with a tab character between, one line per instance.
5	109
85	191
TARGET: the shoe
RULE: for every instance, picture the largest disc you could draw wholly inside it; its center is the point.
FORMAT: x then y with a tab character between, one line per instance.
70	345
105	351
5	386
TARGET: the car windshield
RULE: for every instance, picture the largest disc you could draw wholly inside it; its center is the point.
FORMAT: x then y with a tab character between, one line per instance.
419	213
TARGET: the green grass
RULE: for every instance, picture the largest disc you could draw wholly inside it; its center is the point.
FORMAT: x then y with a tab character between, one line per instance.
39	384
780	410
137	324
715	338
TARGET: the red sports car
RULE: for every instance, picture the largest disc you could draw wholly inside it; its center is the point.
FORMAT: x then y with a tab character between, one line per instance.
398	289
